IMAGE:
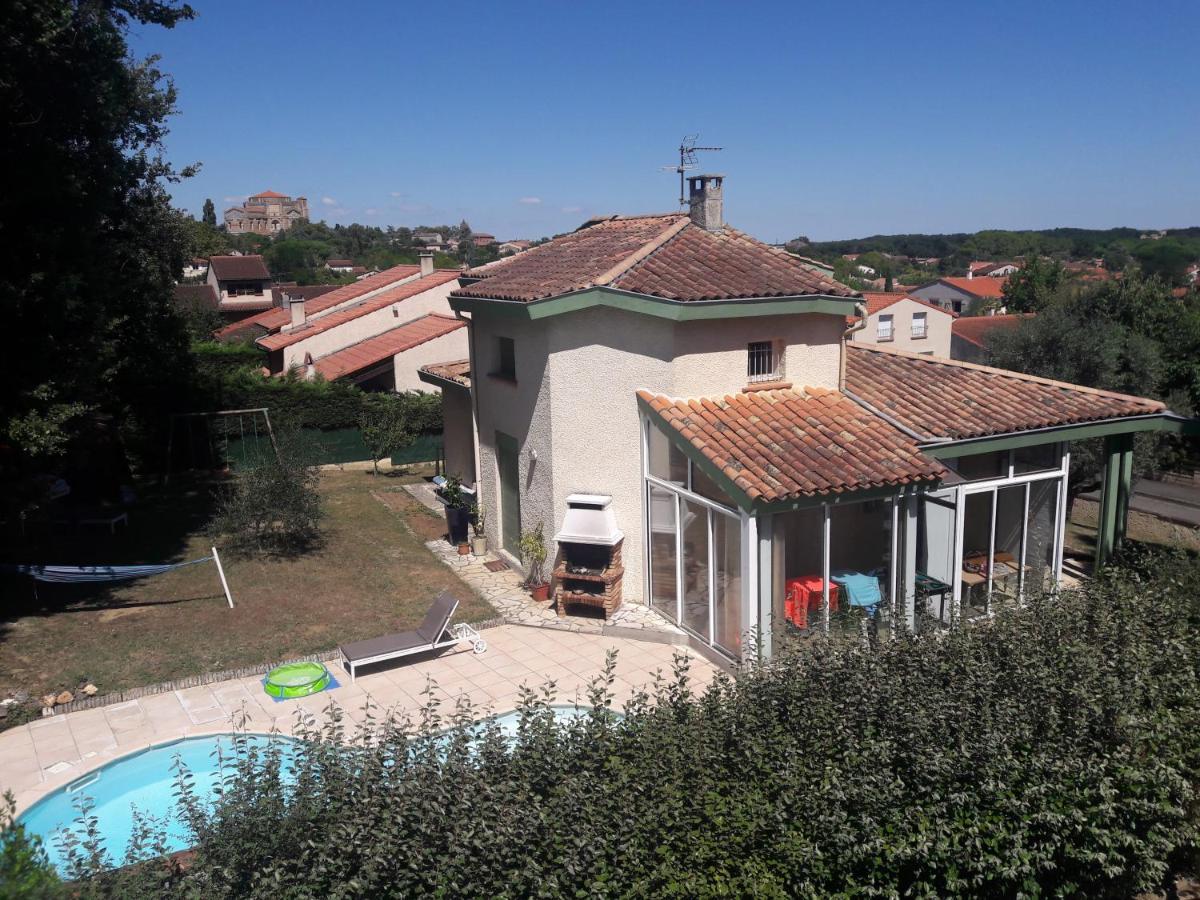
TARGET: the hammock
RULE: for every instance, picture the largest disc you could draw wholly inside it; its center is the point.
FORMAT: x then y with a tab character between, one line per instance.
96	573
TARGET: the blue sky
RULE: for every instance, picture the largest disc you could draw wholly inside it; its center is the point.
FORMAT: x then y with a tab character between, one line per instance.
838	119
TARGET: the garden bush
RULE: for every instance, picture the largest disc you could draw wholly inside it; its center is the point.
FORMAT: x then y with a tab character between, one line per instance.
273	506
1051	751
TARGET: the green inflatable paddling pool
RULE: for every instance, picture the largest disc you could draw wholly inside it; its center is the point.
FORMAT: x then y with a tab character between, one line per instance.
297	680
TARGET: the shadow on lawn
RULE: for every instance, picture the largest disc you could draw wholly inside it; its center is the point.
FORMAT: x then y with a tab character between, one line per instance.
162	521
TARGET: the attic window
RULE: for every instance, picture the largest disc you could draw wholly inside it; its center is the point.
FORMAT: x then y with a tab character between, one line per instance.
883	328
762	362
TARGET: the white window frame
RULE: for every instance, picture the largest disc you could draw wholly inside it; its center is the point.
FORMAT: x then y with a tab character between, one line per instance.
885	334
923	331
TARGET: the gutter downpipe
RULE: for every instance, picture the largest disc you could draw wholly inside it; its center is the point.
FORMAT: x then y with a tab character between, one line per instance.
474	399
861	308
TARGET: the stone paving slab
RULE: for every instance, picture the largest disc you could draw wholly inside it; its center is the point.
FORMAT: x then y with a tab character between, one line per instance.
40	756
506	593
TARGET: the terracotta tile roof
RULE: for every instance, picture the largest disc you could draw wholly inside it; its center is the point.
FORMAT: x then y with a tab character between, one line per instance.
974	329
309	292
274	319
946	399
980	286
271	194
348	313
239	268
375	350
660	255
458	371
193	296
339	262
787	444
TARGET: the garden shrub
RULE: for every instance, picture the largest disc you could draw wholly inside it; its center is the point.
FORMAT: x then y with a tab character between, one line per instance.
273	506
1052	751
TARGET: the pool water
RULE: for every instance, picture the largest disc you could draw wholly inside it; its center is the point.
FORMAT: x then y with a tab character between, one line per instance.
145	781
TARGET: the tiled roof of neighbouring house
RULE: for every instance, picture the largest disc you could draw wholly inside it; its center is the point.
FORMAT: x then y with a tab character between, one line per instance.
342	263
458	371
361	308
272	194
974	329
980	286
782	445
196	295
274	319
239	268
945	399
384	346
660	255
308	291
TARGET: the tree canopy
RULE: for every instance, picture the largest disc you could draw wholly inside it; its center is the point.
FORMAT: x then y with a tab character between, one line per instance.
91	245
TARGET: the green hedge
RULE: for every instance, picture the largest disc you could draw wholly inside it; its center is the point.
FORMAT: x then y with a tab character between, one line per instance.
1051	751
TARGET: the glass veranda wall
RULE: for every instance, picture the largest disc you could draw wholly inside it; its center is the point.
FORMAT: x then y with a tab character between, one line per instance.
697	540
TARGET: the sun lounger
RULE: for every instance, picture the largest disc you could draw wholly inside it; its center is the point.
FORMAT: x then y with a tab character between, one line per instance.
435	633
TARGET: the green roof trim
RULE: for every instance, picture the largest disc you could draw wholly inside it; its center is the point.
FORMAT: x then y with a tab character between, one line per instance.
674	310
1165	421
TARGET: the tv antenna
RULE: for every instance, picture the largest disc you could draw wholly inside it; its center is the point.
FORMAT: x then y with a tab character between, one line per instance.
687	160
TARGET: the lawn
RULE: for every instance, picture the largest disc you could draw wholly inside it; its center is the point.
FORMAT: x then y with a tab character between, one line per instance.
372	576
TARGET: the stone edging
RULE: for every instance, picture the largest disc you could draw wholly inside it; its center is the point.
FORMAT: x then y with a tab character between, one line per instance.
179	684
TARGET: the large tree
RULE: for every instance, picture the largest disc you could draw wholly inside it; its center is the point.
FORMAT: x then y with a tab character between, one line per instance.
89	245
210	214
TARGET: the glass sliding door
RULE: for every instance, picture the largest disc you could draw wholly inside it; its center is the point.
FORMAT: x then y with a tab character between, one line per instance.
727	583
1040	540
695	568
664	555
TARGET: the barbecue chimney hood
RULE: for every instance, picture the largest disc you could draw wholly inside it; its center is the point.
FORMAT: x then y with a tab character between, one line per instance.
590	520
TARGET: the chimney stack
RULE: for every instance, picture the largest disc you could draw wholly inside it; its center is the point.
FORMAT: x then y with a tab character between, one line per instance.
704	201
426	263
296	308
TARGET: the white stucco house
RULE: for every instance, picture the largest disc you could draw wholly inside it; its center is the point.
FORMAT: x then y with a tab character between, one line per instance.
907	323
377	332
683	410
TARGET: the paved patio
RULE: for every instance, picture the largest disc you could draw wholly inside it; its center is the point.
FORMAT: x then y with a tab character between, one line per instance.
50	752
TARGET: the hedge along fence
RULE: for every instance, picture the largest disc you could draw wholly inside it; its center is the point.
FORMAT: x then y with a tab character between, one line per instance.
333	447
1051	751
325	414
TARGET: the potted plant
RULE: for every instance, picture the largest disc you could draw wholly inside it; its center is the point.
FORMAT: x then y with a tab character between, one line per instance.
533	555
478	525
458	511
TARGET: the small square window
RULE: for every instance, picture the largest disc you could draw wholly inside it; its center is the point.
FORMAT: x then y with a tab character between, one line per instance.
883	327
762	362
506	358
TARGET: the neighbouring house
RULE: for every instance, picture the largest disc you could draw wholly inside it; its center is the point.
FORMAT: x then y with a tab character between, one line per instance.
678	406
266	213
969	335
993	269
904	323
482	238
339	265
427	237
378	338
961	295
242	285
196	267
510	247
453	379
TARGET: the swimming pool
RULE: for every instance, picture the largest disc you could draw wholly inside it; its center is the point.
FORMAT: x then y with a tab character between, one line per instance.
145	781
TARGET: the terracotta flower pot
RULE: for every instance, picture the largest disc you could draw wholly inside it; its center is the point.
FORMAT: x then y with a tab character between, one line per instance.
464	549
540	593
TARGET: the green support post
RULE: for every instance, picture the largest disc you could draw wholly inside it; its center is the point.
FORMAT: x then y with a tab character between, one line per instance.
1124	488
1114	496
